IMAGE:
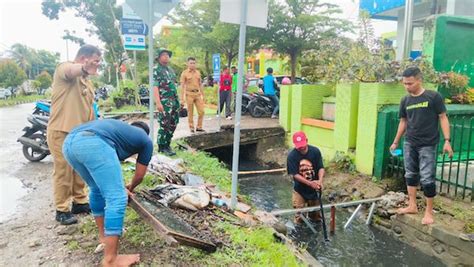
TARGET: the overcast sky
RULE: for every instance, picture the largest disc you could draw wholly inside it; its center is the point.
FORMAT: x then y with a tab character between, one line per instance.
21	21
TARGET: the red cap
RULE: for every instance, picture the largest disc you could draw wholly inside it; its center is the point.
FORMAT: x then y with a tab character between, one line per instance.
300	140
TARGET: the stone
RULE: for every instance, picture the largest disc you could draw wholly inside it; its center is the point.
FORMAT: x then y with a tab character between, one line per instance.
438	247
455	252
3	244
34	243
397	229
68	230
420	236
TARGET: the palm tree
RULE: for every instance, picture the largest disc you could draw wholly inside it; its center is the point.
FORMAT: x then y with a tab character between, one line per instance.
22	56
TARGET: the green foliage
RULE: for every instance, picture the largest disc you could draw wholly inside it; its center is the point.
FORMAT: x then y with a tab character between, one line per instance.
455	83
297	26
343	162
101	17
210	168
44	80
126	95
33	61
21	99
73	245
253	247
11	75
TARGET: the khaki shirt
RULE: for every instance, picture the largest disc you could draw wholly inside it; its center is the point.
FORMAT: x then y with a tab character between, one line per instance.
191	80
71	100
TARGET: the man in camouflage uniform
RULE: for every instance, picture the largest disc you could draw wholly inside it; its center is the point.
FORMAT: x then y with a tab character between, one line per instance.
167	101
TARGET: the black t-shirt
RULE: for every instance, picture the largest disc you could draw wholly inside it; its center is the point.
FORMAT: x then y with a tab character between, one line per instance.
422	115
293	161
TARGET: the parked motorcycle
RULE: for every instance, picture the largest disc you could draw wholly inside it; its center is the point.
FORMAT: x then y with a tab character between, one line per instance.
42	107
261	105
246	98
35	147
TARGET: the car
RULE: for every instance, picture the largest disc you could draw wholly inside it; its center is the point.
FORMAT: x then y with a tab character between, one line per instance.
4	93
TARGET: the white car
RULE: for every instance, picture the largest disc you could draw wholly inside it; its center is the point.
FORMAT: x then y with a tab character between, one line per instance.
4	93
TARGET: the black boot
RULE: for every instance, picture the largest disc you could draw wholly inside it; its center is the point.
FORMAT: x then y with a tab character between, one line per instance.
65	218
168	151
80	208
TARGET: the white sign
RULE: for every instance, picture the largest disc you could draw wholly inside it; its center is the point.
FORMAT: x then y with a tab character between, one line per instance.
160	9
128	13
257	12
134	42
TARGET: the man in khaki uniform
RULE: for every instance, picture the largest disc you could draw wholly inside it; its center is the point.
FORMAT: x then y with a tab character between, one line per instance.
193	94
71	105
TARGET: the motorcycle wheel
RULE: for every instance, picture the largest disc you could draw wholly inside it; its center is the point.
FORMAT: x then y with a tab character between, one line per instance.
32	154
254	111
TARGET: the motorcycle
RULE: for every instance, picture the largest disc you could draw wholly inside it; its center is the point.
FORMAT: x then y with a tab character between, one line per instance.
35	146
261	105
246	98
42	107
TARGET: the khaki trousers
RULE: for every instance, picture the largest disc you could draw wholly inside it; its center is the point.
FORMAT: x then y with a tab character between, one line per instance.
67	183
191	100
299	202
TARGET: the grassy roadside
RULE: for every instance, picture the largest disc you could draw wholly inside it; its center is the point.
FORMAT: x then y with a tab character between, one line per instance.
20	100
248	246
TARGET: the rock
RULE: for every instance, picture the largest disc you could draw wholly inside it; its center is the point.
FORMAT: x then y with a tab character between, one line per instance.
34	243
3	244
99	248
280	228
87	244
397	229
266	217
68	230
438	247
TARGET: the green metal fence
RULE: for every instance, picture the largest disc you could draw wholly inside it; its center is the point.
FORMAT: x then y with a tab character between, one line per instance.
455	175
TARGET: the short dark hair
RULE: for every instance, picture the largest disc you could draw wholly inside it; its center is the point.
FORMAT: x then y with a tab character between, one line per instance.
233	67
270	70
225	67
88	51
412	72
191	58
142	125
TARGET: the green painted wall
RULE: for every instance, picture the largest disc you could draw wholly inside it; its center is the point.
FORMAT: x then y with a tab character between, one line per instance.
347	106
285	107
371	97
306	102
322	138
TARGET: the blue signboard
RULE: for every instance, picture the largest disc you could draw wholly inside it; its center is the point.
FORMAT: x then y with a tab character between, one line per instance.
216	66
133	26
376	7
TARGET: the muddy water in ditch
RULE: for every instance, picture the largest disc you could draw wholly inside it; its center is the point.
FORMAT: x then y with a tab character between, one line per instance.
358	246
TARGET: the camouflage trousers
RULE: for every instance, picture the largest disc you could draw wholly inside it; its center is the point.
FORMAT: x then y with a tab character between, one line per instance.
168	120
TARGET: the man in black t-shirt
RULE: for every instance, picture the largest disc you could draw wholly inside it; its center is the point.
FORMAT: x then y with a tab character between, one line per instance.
305	165
421	113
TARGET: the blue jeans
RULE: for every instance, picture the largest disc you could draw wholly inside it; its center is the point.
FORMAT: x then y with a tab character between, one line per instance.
98	165
276	104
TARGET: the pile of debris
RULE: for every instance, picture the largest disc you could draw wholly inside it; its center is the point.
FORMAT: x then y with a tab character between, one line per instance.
185	209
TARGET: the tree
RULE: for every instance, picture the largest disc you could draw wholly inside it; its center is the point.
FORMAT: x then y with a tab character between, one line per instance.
102	17
295	26
45	80
11	75
22	55
203	31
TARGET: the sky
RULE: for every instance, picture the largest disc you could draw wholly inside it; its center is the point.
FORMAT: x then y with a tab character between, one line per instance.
21	21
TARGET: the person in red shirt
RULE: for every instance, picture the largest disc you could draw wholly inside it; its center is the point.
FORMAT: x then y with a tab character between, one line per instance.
225	92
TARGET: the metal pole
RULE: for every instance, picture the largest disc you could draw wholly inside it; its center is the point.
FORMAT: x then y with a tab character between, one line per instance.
150	68
371	213
238	109
327	206
135	65
408	31
352	216
308	223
